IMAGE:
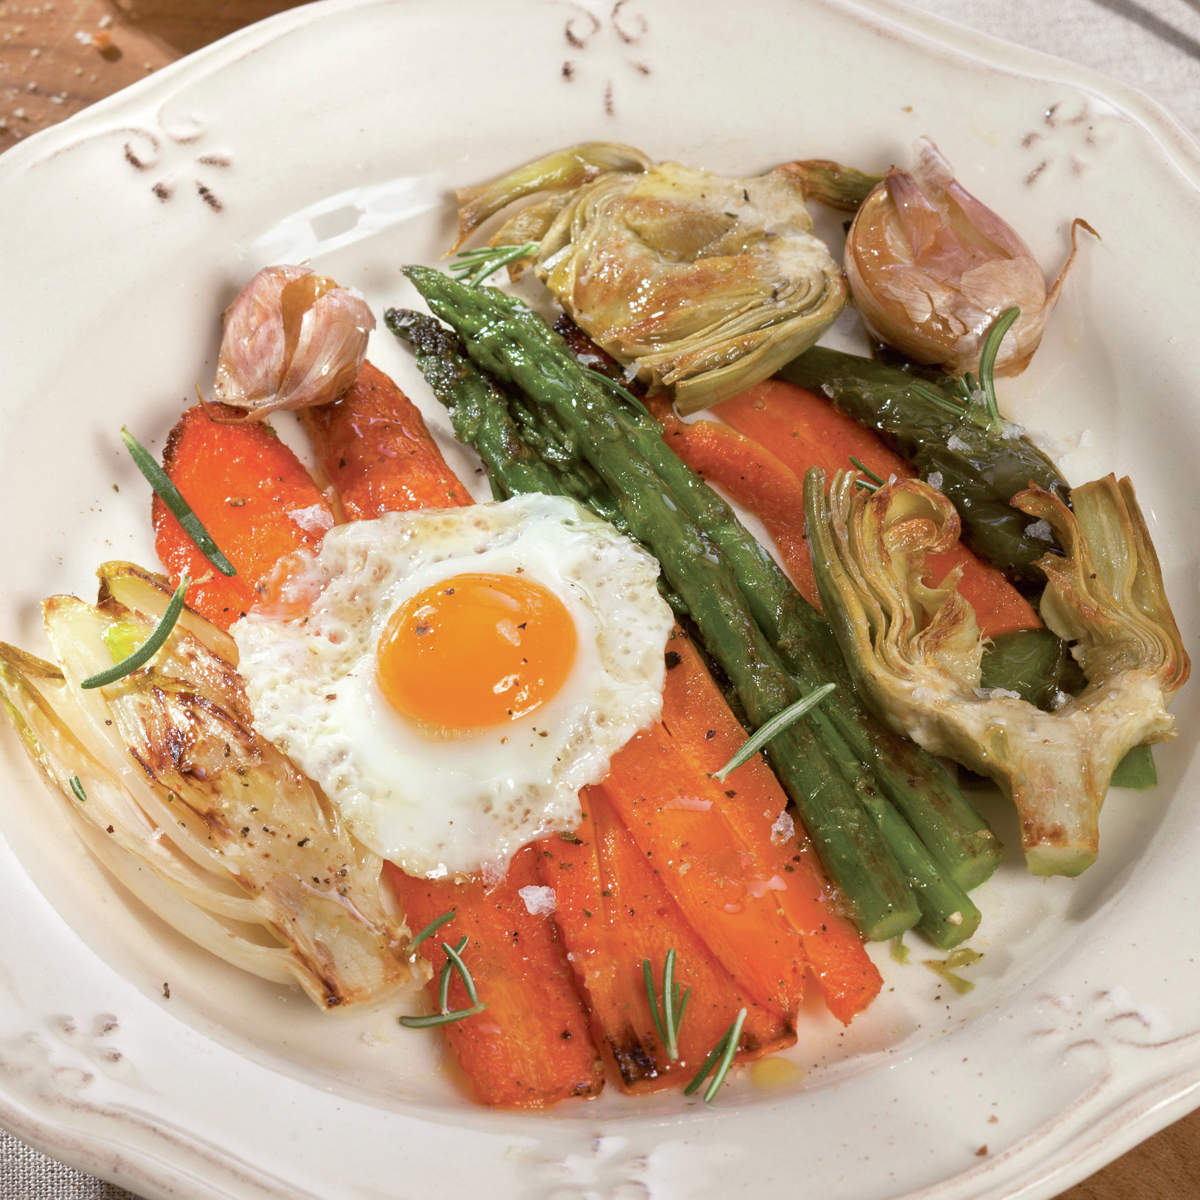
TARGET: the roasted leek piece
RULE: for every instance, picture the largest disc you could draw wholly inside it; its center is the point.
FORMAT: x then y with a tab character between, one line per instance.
696	282
209	825
915	650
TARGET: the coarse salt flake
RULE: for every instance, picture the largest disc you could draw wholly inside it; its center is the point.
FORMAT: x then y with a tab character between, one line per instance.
538	901
314	519
784	829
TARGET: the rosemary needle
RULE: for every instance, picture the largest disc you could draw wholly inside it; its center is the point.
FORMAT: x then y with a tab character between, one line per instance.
472	267
622	393
667	1012
147	650
872	482
432	927
724	1050
950	407
987	360
442	1018
655	1012
160	481
444	978
774	726
77	787
971	388
453	953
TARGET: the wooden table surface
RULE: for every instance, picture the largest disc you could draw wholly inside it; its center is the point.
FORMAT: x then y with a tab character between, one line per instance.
58	56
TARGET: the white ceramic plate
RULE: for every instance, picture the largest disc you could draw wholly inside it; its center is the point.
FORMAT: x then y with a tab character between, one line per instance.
334	132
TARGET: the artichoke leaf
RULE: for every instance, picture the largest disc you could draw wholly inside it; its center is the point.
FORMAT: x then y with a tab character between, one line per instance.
560	171
915	652
244	854
693	281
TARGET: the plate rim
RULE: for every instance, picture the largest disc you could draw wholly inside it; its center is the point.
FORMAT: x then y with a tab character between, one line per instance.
1151	1110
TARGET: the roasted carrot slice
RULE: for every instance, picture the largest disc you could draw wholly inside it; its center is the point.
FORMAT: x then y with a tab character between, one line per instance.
723	883
613	912
803	430
708	735
750	475
530	1045
375	449
251	493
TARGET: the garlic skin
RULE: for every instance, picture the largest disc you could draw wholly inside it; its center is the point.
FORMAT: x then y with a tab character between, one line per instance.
292	339
931	268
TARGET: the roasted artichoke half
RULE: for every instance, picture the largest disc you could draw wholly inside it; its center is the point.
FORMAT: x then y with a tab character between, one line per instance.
697	282
914	650
168	785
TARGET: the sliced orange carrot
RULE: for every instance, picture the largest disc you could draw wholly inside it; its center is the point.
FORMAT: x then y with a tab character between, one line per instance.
612	872
750	475
530	1045
613	912
250	492
377	452
708	735
722	883
803	430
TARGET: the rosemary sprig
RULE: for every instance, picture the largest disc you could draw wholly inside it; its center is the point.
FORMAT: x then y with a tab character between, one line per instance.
148	648
773	727
724	1050
474	266
454	963
432	927
77	787
180	509
872	482
667	1012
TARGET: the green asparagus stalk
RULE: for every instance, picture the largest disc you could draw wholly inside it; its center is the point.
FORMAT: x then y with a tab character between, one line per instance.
477	411
519	355
917	783
978	464
856	855
517	459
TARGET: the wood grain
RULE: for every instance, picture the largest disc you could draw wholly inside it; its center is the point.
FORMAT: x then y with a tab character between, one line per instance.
58	56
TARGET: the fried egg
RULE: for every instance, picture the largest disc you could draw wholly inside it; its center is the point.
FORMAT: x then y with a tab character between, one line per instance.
453	677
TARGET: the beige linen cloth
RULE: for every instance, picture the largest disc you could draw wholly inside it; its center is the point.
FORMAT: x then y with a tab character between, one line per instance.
1154	45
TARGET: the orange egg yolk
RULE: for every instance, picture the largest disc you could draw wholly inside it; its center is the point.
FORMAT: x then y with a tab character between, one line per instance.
475	650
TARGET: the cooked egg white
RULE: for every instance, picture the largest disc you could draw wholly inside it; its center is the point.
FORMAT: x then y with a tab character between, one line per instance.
453	677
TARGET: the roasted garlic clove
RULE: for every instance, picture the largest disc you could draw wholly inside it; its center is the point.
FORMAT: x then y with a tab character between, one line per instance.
292	339
931	268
